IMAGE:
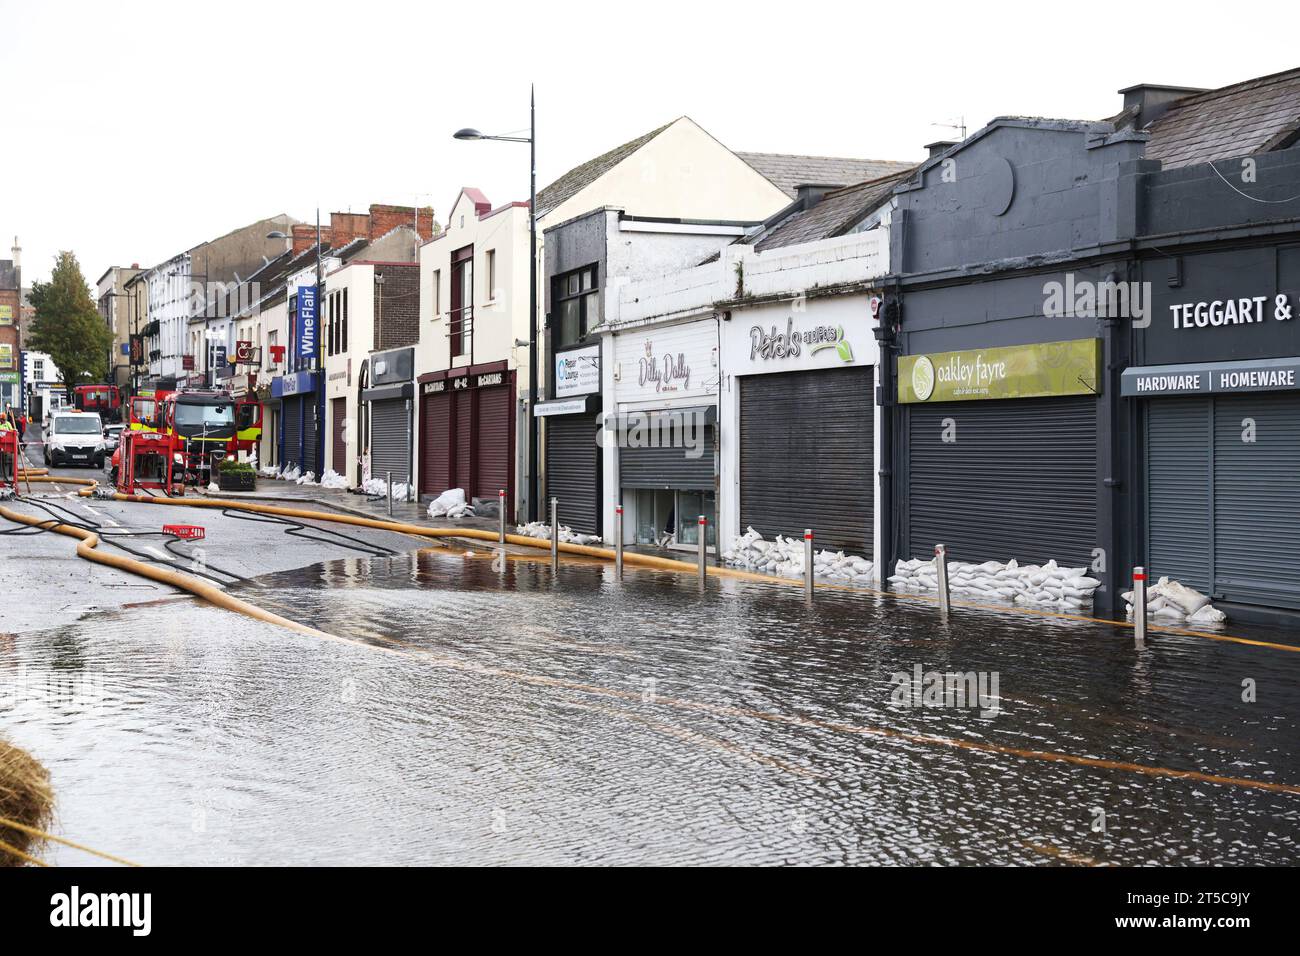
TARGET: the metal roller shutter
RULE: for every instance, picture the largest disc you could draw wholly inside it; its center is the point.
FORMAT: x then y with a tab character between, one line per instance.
389	440
311	454
1019	481
806	457
493	448
292	416
1178	490
1256	493
463	435
671	467
573	472
435	443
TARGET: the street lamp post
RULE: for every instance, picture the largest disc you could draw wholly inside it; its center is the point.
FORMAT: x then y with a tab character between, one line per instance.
531	140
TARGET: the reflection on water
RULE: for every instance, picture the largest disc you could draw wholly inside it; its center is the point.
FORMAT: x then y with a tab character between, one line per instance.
520	717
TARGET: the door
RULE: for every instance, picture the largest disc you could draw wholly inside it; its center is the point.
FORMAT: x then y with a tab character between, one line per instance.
494	443
806	457
435	443
338	424
572	472
389	440
292	414
463	434
1002	479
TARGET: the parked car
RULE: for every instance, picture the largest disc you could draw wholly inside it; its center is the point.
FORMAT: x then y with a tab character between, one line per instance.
75	438
112	436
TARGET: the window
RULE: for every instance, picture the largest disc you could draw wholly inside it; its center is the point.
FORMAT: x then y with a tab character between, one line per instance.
437	293
574	311
461	331
490	258
344	332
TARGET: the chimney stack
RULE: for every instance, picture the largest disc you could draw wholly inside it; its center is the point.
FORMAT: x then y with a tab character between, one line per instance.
1153	100
17	253
939	147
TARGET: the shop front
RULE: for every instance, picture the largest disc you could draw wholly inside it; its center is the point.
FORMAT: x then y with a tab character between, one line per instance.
660	437
389	400
467	432
571	439
799	422
1215	390
1000	451
301	420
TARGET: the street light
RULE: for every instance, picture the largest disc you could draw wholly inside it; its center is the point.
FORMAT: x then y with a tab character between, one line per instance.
469	133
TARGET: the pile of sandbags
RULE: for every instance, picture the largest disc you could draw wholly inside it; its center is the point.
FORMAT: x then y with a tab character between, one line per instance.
541	529
784	557
306	479
1173	601
451	504
378	488
1042	585
269	471
291	473
332	479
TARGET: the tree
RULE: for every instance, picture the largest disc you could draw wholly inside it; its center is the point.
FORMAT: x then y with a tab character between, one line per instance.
68	327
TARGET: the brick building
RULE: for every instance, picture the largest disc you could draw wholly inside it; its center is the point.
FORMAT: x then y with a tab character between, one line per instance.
11	311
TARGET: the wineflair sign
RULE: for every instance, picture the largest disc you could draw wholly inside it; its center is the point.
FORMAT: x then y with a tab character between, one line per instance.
1014	371
1207	378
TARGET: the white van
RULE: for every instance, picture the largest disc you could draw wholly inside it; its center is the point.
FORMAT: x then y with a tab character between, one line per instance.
74	438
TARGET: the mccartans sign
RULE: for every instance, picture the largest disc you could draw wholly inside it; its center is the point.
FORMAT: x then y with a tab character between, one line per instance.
1264	375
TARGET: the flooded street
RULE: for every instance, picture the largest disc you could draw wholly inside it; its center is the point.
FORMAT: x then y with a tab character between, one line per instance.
477	716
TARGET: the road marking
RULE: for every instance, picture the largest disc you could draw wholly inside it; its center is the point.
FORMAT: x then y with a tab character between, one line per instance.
162	554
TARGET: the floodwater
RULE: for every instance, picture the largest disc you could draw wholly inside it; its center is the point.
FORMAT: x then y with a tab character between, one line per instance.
471	715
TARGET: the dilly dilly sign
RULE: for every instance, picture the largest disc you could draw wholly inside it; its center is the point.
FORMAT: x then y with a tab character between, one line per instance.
1015	371
306	322
667	374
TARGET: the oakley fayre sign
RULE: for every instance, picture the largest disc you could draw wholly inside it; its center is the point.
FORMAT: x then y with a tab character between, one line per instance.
1017	371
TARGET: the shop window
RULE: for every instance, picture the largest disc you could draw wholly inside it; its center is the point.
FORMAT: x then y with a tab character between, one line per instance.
461	316
574	308
672	517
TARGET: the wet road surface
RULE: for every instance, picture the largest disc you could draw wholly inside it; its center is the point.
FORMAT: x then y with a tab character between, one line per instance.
472	715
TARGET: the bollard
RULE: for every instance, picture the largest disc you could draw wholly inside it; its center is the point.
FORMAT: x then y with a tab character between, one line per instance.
703	530
501	505
941	576
618	542
555	534
1140	607
808	563
390	493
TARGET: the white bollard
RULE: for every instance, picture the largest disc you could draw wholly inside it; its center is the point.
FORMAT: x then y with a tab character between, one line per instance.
618	542
501	505
1140	607
808	563
555	534
703	530
390	493
941	575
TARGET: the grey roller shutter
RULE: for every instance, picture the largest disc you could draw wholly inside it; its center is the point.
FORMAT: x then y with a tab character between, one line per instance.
311	454
292	415
677	468
390	444
1178	490
1019	481
1256	493
573	472
806	457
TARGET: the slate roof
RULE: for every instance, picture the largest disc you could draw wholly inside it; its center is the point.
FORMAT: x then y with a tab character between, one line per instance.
788	171
835	215
1256	116
580	177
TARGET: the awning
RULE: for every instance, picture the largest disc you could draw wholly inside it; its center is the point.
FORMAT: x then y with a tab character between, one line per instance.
1207	378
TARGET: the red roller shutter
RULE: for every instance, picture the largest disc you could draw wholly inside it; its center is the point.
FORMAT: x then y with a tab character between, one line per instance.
494	442
463	425
435	443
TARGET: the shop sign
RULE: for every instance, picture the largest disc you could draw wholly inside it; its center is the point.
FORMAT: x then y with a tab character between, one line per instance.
1217	313
9	378
1017	371
775	343
488	379
570	407
6	355
1207	378
299	383
6	315
577	371
306	322
435	388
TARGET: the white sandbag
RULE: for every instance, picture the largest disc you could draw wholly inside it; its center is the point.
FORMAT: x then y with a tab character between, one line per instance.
1207	614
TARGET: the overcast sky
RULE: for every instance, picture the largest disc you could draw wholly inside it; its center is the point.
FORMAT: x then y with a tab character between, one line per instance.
132	131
